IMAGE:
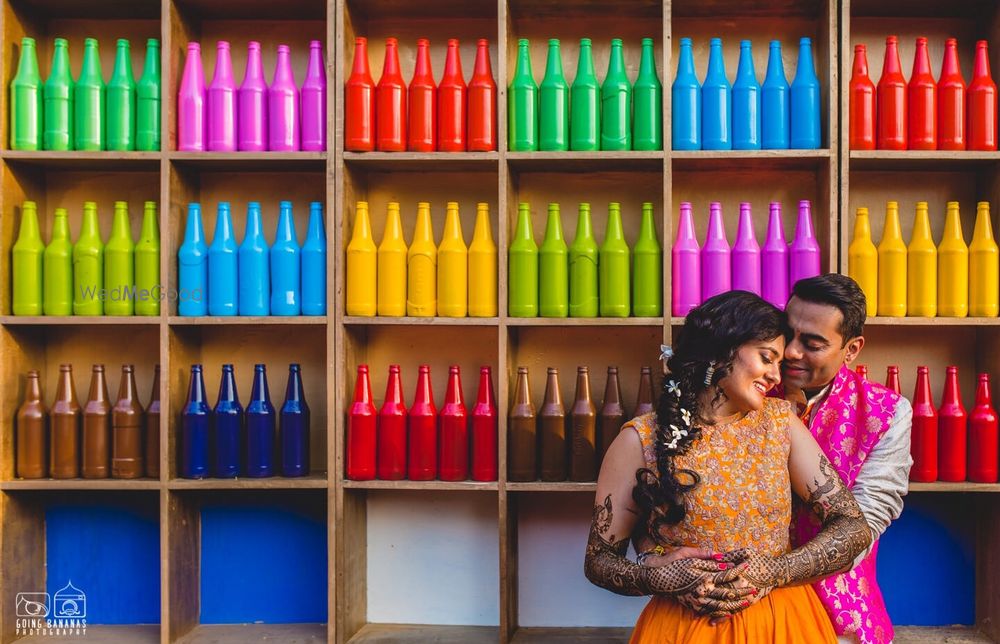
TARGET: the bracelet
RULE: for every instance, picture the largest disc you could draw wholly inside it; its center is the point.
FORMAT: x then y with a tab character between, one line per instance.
642	556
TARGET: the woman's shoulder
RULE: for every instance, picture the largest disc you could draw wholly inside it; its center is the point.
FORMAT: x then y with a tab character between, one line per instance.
777	407
645	428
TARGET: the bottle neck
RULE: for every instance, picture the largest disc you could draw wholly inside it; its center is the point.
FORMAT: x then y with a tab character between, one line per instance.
805	65
65	391
255	69
227	387
891	63
981	69
745	70
424	230
922	224
316	228
27	65
316	68
775	229
196	390
33	390
552	395
716	228
60	62
612	390
647	65
614	226
521	395
804	229
255	225
921	61
891	229
950	65
394	388
482	231
363	388
523	68
685	228
716	65
745	232
453	63
390	67
60	225
584	230
922	393
860	69
485	395
553	65
616	63
154	396
454	393
582	386
126	390
685	63
193	230
286	225
647	229
952	224
29	223
360	66
553	227
260	391
223	66
424	393
452	224
951	392
422	69
984	230
523	230
150	229
151	69
862	227
90	227
983	391
775	65
293	390
98	386
482	66
119	224
223	225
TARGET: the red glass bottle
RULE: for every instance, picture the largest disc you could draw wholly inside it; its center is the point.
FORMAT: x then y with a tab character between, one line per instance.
484	430
482	102
422	430
951	100
862	108
422	97
359	103
953	430
982	102
892	379
390	103
451	97
921	102
890	125
361	430
391	460
983	440
453	444
924	432
862	370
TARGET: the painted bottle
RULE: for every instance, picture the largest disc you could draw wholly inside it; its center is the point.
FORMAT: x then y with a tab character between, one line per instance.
286	265
953	429
32	434
647	97
57	268
645	400
803	252
147	263
88	265
421	266
862	261
359	102
391	431
453	444
283	106
482	127
482	267
746	102
924	432
583	431
951	100
890	93
862	370
716	259
616	103
127	429
892	379
314	263
921	267
28	264
774	260
805	101
261	420
553	103
361	430
251	103
195	421
191	103
453	267
147	101
120	102
775	102
312	101
295	426
984	266
685	258
151	434
26	111
227	428
716	102
522	432
89	104
483	432
611	416
552	428
921	102
953	267
119	264
685	94
583	261
254	264
96	437
390	103
613	267
522	105
452	102
422	99
391	266
553	269
192	261
892	265
422	430
746	254
983	442
647	268
221	103
861	94
223	265
64	439
585	103
522	268
982	103
57	121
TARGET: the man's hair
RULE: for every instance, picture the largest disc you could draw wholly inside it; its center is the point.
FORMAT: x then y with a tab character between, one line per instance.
839	291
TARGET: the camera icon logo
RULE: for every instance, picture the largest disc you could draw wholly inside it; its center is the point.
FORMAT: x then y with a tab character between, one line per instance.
33	605
69	602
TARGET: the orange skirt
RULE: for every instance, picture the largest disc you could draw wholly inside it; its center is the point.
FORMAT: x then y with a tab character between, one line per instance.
792	615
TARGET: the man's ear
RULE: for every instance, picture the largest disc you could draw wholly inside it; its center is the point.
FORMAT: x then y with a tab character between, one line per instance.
854	346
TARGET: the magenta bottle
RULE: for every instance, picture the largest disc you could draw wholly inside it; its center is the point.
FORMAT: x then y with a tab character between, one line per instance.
716	269
746	254
191	106
774	260
803	254
283	106
221	133
312	101
685	259
251	101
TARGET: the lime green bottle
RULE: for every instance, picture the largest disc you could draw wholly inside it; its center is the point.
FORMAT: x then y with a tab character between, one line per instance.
88	265
647	268
147	263
583	256
616	103
88	101
57	298
28	252
553	104
522	103
147	101
553	269
522	268
613	267
26	101
119	266
58	95
585	105
120	102
647	97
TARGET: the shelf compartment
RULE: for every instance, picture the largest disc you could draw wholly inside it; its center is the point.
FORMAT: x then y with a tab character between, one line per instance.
422	161
81	484
129	634
84	161
922	160
417	633
251	161
585	161
252	633
443	486
747	160
571	635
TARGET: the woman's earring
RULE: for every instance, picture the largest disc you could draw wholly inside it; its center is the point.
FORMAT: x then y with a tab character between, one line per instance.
709	373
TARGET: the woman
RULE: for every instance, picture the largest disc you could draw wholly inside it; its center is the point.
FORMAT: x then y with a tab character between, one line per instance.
714	469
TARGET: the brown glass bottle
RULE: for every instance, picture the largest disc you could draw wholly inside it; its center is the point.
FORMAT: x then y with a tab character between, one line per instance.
64	445
552	426
126	429
646	401
96	453
612	415
32	432
152	437
583	431
522	441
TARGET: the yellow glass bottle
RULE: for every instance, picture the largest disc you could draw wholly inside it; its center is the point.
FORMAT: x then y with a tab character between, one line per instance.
392	266
421	267
862	260
953	267
362	262
892	265
922	267
453	267
984	267
482	267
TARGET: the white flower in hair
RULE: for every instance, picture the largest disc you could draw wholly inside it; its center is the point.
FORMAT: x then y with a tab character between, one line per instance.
666	352
673	388
686	416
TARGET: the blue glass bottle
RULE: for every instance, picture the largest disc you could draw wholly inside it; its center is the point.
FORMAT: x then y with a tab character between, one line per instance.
686	96
227	427
775	102
222	265
261	420
746	102
254	264
286	298
294	426
192	260
314	264
195	419
805	101
716	102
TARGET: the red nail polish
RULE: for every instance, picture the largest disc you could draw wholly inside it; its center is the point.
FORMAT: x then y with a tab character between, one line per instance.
724	566
718	556
745	604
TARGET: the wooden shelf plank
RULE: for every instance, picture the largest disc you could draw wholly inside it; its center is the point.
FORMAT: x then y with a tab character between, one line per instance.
745	160
574	322
313	481
474	486
939	321
939	635
250	161
81	484
106	634
78	320
651	161
423	161
421	634
929	160
239	320
583	635
247	633
557	486
86	161
358	320
964	486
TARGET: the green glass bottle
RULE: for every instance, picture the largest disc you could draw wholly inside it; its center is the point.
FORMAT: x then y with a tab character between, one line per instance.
522	103
57	298
147	263
28	251
522	268
120	102
585	105
553	104
613	267
88	265
616	103
26	101
647	97
58	95
583	261
88	101
553	269
147	101
647	268
119	266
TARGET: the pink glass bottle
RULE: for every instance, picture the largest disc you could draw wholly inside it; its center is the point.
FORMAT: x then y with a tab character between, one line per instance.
312	101
222	103
191	103
251	104
283	106
716	264
746	254
803	254
774	260
685	259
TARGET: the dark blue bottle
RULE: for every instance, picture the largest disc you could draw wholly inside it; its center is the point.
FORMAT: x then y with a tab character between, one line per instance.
314	264
192	266
686	96
222	265
775	102
254	263
195	420
716	102
286	294
227	427
261	420
294	426
746	102
805	101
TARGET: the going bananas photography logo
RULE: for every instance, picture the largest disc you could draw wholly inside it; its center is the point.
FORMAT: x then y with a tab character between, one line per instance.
64	613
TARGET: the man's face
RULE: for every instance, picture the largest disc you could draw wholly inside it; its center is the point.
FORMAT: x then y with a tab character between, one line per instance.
817	350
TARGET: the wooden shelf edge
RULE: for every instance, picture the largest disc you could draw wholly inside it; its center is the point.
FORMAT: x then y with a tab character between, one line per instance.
963	486
81	484
544	486
246	633
928	155
936	321
682	155
311	482
359	320
105	634
238	320
938	634
575	322
79	320
571	635
421	633
453	486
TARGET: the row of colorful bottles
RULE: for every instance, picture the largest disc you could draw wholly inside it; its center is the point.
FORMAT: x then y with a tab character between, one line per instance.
230	440
252	278
923	114
746	115
422	443
90	277
101	439
424	279
582	279
951	279
421	117
700	272
61	114
254	117
554	444
613	115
